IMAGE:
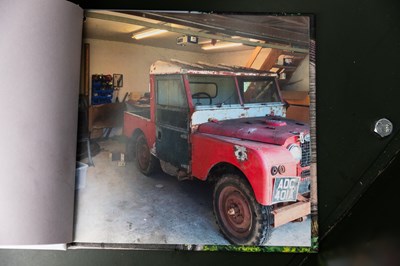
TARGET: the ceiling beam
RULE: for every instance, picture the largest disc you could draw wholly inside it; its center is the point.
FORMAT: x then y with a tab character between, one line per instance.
253	56
270	61
187	31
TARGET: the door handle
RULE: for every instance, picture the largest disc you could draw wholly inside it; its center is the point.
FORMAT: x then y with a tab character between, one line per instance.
159	135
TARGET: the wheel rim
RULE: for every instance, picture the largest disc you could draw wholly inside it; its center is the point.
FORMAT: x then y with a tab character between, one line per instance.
235	212
143	154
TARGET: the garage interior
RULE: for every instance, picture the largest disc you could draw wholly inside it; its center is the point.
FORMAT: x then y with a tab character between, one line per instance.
116	203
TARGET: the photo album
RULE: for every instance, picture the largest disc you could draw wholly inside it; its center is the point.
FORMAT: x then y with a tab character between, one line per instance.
157	130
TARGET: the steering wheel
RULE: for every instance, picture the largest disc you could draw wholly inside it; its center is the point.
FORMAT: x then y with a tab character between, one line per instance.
197	94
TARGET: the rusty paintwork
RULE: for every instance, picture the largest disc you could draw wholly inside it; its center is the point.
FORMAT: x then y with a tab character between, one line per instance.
205	114
272	130
180	67
240	152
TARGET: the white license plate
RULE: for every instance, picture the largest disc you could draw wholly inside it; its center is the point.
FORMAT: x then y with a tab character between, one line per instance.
285	189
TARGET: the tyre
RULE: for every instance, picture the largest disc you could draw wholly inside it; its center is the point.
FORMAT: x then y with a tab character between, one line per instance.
242	220
130	149
145	161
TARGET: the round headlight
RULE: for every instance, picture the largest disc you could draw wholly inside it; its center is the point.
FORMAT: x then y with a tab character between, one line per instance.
274	170
281	169
295	150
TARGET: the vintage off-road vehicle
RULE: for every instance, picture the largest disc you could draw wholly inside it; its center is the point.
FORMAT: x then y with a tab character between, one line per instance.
226	124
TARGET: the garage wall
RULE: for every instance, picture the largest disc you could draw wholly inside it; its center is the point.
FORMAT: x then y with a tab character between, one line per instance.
300	80
133	61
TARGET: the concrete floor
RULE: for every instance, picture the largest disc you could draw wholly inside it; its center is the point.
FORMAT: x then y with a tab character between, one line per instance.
121	205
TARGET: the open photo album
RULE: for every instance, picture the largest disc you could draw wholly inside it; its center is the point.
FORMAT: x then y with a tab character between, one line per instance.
132	129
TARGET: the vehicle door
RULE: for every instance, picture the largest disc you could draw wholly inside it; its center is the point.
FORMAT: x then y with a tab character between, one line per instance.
172	127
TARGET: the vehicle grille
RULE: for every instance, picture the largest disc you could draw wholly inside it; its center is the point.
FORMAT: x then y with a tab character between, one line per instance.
305	153
304	186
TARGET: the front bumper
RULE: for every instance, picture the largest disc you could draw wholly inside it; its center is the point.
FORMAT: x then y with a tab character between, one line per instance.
291	212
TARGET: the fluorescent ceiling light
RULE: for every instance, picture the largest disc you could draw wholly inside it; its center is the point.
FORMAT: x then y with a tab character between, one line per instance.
147	33
220	45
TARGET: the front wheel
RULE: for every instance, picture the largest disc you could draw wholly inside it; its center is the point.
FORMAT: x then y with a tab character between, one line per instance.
145	161
242	220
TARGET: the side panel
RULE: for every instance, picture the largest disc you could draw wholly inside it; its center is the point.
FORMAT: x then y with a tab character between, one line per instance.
252	158
133	122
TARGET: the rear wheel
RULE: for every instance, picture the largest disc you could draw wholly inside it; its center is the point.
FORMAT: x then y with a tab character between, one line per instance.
145	161
240	217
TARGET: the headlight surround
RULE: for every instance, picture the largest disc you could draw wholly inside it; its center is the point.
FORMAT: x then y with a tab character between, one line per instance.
295	150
